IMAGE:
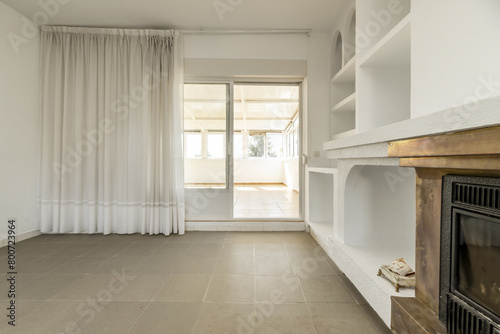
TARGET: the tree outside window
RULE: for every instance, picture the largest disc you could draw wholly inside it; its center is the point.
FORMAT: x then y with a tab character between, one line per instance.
274	145
256	147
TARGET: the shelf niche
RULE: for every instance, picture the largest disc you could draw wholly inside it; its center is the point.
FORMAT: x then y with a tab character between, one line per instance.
336	60
384	80
350	39
386	225
384	97
321	199
376	20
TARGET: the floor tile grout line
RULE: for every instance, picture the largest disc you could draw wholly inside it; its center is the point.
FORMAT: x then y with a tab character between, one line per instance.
372	321
208	286
139	317
303	293
155	294
76	321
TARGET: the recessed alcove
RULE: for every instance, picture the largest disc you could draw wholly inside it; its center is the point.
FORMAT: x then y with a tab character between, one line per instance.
385	96
320	197
343	122
336	59
379	218
387	196
320	205
350	38
376	20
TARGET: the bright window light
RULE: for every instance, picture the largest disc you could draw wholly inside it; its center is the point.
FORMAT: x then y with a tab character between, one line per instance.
238	146
193	145
295	144
215	145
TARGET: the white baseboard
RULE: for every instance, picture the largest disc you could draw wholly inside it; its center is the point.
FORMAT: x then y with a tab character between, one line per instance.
20	237
259	226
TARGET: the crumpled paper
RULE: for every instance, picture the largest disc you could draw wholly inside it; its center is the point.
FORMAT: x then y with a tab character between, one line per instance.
400	267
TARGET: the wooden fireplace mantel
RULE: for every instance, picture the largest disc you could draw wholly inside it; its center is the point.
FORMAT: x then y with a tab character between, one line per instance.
475	152
484	141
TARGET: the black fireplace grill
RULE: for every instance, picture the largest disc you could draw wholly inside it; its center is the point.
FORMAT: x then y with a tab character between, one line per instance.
470	253
461	319
476	195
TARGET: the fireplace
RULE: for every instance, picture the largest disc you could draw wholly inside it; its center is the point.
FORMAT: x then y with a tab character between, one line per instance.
469	300
449	292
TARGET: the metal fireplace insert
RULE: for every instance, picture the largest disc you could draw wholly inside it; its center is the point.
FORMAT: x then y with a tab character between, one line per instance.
470	255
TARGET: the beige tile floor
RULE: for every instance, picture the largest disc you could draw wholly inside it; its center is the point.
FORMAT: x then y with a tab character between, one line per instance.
265	201
202	282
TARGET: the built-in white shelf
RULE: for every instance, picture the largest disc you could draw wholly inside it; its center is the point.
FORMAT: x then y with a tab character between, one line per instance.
344	134
336	60
322	170
322	230
347	74
486	114
369	258
383	80
361	263
320	199
376	20
346	105
393	49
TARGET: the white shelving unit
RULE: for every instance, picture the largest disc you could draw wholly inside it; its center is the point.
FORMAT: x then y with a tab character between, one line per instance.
343	99
346	105
320	200
344	134
346	74
350	37
369	91
394	49
389	91
383	80
376	19
336	52
372	87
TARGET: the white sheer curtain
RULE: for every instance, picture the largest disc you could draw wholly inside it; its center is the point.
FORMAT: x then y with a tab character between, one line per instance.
111	143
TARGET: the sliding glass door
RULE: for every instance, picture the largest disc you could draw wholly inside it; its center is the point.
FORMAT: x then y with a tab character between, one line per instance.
241	151
207	150
266	151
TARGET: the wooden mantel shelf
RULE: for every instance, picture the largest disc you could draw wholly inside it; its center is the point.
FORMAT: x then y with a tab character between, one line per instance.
484	141
469	150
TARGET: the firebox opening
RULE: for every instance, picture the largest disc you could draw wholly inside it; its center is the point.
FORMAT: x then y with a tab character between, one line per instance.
476	252
470	253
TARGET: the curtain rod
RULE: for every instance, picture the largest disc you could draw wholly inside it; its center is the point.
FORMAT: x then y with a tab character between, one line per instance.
246	32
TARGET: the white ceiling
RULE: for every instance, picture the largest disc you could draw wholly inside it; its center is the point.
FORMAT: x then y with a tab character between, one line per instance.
318	15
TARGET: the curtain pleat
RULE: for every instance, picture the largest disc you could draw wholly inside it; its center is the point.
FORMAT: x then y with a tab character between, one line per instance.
111	157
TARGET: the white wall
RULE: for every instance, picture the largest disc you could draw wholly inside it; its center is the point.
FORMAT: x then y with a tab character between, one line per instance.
246	46
258	171
291	173
313	49
19	123
454	45
318	110
245	171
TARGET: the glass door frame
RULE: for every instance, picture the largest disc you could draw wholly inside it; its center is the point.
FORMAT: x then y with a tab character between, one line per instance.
229	190
225	195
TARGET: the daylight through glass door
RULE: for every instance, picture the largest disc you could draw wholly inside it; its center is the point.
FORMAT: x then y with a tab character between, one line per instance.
266	151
